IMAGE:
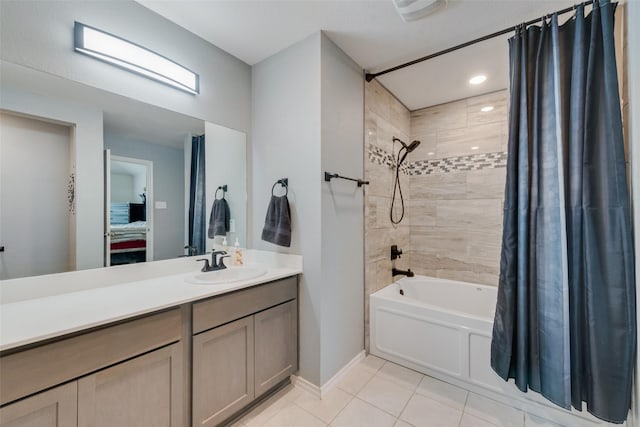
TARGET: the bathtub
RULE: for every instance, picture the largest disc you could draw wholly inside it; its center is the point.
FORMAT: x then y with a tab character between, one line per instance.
442	328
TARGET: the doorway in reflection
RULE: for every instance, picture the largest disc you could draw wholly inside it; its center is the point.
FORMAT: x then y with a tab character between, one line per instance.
35	196
128	191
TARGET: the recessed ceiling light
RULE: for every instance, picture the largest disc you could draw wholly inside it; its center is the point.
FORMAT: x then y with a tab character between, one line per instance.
476	80
475	147
487	108
430	153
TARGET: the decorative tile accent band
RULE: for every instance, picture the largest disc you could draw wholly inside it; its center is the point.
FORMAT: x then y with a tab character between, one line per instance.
472	162
450	164
380	157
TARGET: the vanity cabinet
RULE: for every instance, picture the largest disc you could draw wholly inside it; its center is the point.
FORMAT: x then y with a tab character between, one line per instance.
238	360
57	407
222	371
121	375
200	363
143	391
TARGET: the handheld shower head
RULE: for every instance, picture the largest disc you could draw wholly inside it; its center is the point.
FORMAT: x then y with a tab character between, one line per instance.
407	149
401	156
412	146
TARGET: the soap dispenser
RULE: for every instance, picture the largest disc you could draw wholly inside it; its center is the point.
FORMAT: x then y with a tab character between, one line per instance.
237	260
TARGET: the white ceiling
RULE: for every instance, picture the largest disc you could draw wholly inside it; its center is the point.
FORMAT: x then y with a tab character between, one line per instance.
370	32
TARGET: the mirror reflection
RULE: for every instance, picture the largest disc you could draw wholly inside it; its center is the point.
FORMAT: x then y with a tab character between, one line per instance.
90	178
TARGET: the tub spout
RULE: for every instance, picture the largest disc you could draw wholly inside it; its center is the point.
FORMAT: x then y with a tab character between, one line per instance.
396	272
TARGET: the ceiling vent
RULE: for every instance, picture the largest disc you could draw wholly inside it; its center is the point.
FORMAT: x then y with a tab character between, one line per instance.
412	10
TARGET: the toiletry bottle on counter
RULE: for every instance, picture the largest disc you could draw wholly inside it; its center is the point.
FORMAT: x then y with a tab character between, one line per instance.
237	259
225	245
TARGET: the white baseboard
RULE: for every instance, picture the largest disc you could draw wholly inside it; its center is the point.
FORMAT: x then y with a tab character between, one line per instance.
333	381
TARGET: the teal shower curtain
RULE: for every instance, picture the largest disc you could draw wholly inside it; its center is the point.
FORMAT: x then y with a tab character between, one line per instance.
565	322
197	194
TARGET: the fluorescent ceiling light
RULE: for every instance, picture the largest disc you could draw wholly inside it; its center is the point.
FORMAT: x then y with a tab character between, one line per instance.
476	80
412	10
487	108
130	56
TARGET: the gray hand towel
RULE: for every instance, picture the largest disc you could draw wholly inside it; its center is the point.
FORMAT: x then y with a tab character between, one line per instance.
219	219
277	224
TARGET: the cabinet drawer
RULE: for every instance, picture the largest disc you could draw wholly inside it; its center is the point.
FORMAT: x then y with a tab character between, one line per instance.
56	407
228	307
35	369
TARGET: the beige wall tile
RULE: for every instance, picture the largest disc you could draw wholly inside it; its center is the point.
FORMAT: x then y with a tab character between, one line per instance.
486	183
377	99
370	129
380	179
499	100
438	186
442	117
428	144
421	212
476	213
459	142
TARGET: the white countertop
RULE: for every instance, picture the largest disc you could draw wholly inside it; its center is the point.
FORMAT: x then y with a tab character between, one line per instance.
44	307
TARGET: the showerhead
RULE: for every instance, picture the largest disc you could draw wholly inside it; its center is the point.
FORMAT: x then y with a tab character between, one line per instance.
412	146
409	147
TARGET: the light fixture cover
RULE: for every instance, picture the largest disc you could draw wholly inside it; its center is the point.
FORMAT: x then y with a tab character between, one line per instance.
412	10
132	57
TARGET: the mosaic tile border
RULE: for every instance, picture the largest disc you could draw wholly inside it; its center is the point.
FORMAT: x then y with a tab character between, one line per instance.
470	162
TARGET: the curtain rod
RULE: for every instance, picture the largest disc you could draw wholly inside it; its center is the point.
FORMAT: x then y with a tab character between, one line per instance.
371	76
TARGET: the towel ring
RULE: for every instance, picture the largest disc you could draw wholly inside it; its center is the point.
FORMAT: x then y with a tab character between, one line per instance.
224	190
284	182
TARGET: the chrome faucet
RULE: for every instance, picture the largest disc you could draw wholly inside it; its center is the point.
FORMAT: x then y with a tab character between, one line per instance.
396	272
217	263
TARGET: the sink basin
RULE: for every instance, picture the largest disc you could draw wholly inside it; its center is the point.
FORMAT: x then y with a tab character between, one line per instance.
228	275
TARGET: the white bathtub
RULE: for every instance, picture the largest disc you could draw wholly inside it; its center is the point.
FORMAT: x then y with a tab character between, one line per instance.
442	328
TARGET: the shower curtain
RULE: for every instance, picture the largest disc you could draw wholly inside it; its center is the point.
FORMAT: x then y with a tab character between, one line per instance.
565	322
197	208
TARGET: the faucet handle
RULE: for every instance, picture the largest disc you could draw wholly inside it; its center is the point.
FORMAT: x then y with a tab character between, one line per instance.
207	266
214	257
395	252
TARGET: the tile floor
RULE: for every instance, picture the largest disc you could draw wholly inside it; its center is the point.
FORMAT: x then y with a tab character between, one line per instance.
377	393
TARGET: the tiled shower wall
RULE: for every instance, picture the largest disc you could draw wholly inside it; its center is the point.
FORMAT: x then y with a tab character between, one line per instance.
385	117
457	188
453	185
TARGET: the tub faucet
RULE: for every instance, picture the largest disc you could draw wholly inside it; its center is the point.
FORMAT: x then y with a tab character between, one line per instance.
396	272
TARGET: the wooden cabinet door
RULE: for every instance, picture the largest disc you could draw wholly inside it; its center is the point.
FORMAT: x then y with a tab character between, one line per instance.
144	391
222	371
57	407
276	343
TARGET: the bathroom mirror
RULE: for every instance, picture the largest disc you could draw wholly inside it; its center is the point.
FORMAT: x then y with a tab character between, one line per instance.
57	198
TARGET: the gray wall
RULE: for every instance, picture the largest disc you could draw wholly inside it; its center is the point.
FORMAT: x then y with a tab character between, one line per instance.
306	118
286	143
225	81
168	185
342	210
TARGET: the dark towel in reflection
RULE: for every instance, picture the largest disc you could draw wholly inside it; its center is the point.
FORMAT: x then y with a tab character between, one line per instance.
277	224
219	219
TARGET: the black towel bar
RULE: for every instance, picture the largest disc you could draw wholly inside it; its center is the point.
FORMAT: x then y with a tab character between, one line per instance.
329	176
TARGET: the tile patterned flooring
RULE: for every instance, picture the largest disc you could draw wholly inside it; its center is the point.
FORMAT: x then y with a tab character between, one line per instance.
377	393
